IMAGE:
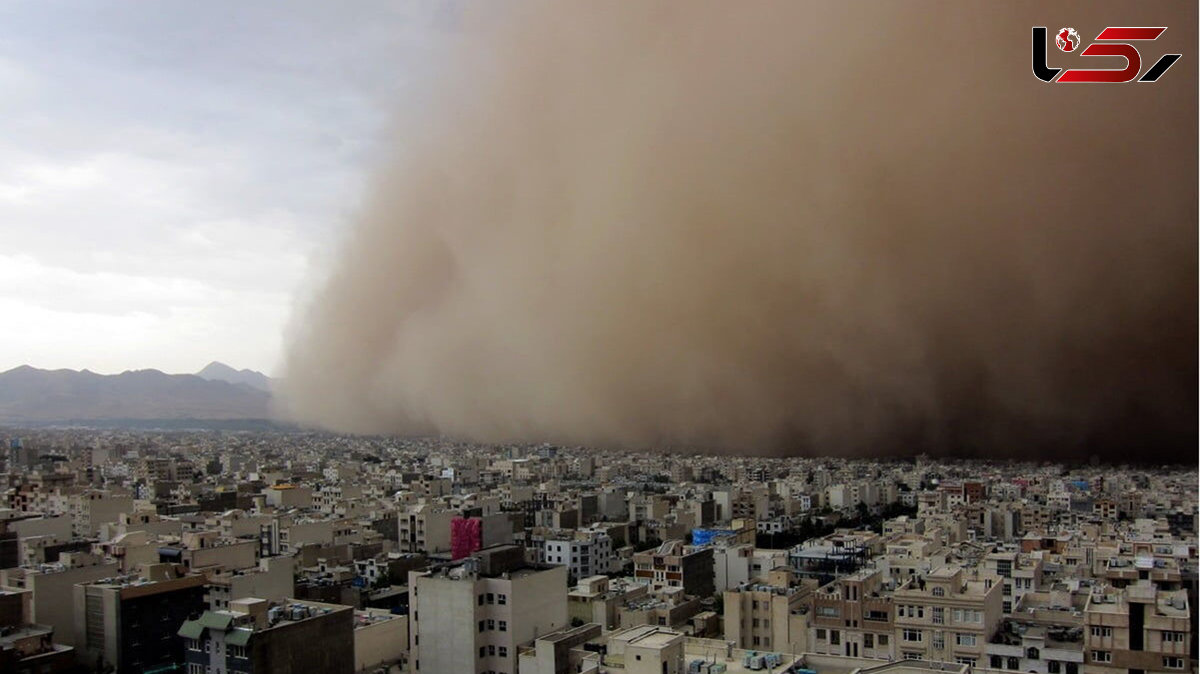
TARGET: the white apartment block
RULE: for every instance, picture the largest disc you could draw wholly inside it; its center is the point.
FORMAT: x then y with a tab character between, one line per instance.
585	553
470	617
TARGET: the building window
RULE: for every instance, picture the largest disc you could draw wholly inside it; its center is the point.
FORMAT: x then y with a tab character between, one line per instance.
868	640
1032	653
939	592
491	624
911	634
820	634
1102	656
1170	662
964	639
482	625
996	661
835	637
909	655
1174	637
1053	666
883	640
491	649
502	599
1098	631
504	651
503	625
939	616
1014	663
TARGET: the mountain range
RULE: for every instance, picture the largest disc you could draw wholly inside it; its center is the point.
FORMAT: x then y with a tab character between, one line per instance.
218	392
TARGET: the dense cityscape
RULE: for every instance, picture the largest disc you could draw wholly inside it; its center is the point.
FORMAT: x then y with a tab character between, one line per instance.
210	552
624	337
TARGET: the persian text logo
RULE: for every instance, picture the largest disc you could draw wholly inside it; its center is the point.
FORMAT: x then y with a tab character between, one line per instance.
1112	41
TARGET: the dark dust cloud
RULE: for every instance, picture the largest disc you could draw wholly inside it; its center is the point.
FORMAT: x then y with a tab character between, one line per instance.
818	228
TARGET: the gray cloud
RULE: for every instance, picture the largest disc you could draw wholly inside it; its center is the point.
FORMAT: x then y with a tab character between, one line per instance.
180	160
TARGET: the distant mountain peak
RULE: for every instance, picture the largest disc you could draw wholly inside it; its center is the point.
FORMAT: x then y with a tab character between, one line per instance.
215	367
218	371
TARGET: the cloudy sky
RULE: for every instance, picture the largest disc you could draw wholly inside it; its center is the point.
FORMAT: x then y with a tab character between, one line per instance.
170	171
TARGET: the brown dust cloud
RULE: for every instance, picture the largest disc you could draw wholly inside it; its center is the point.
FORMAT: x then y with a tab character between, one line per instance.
859	229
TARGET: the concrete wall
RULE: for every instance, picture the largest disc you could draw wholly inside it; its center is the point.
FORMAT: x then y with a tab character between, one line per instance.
58	526
445	615
54	598
380	642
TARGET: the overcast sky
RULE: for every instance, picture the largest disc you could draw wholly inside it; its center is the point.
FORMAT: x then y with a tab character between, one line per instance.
170	170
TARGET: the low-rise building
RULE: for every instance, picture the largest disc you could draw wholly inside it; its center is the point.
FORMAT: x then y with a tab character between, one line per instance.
294	637
671	565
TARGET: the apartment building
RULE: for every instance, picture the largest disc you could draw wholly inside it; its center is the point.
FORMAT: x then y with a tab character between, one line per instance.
92	508
26	648
584	553
945	616
769	613
272	579
289	496
598	599
207	550
1020	574
855	616
294	637
647	650
671	565
739	563
129	622
1137	629
471	615
52	587
1044	636
425	528
561	652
